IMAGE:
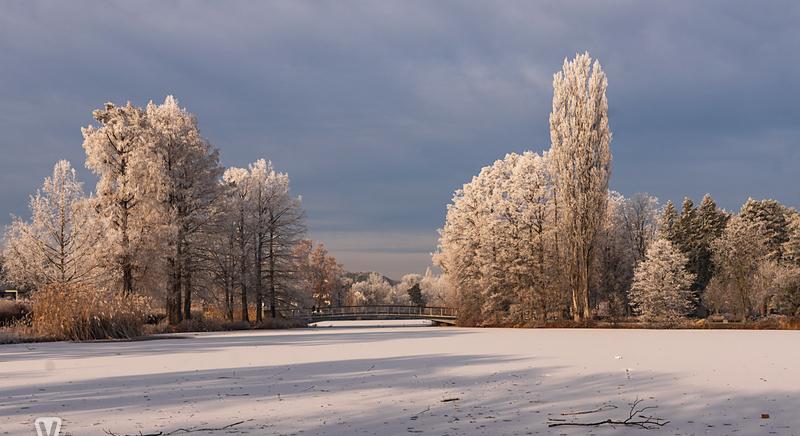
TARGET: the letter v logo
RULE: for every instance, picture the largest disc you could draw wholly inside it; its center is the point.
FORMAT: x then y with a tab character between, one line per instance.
48	426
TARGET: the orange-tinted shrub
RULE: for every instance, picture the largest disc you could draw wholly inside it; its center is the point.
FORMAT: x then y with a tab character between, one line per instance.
80	312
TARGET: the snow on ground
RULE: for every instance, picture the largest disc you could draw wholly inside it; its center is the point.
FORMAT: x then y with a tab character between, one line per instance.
393	380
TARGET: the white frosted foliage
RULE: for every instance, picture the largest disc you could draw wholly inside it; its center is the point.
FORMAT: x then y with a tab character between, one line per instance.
661	285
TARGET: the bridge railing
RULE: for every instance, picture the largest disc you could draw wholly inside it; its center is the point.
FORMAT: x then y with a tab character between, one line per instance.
349	311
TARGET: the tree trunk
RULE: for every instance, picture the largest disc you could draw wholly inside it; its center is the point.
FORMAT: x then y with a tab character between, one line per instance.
259	254
576	314
243	270
585	288
272	310
229	277
174	312
126	264
169	300
187	289
228	298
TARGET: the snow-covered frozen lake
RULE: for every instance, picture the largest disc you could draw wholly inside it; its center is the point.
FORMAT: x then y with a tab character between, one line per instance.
393	380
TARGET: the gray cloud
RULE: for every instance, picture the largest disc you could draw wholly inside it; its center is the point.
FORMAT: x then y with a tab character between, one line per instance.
379	110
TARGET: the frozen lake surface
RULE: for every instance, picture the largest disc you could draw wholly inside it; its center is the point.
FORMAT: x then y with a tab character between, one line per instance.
386	380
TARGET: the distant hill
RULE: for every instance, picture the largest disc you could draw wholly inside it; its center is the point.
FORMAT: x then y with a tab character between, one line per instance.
363	276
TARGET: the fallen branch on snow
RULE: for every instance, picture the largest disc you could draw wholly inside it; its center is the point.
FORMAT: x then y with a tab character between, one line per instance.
181	430
635	418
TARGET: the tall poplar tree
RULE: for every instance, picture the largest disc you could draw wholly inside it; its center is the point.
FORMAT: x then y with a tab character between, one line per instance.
581	160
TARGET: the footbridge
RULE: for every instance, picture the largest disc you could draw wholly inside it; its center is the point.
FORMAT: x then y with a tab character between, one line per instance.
439	315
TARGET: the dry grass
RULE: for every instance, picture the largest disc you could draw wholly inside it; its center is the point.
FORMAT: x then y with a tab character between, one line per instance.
205	323
198	323
279	323
774	322
84	313
12	311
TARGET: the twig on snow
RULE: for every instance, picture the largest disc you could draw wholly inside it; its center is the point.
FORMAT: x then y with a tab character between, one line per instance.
602	408
416	415
181	430
635	418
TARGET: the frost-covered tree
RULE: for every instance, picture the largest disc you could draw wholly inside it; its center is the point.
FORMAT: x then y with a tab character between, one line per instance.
411	285
791	248
581	161
459	242
375	290
711	224
669	223
630	227
640	216
4	280
221	248
496	246
278	226
416	296
270	223
771	218
688	231
182	172
58	244
661	288
738	255
693	232
497	249
320	274
776	288
115	152
237	181
437	289
409	280
398	296
530	210
615	258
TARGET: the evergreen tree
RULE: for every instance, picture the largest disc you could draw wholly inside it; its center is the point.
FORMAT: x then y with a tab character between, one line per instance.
710	226
692	233
669	223
661	288
771	217
687	228
415	294
791	249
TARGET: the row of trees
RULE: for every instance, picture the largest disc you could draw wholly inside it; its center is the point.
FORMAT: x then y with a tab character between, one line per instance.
524	229
539	236
167	220
413	289
707	260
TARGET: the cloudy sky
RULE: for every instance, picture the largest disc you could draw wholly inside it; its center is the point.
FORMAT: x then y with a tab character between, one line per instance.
379	110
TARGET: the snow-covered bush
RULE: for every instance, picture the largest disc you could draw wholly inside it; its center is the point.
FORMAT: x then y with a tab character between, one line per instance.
661	288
